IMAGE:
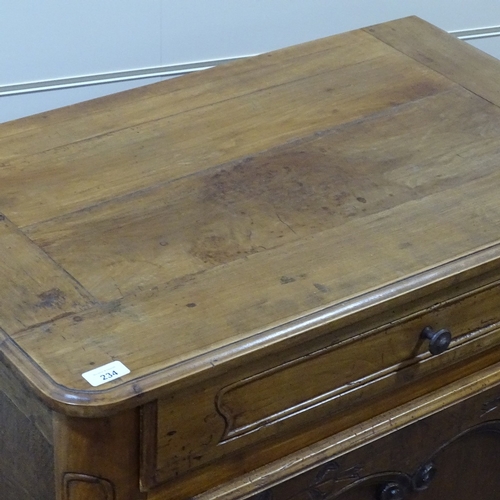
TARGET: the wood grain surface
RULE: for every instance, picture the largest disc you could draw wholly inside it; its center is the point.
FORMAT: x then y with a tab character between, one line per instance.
35	290
190	222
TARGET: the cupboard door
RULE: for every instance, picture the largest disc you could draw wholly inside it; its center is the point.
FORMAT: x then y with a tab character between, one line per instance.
465	468
452	454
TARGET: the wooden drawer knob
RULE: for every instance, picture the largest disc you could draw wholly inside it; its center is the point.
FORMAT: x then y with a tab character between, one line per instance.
439	340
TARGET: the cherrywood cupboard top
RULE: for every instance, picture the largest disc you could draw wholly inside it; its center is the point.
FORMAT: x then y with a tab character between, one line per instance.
187	225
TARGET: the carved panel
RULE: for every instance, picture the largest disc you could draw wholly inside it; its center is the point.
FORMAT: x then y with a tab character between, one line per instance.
84	487
330	476
463	467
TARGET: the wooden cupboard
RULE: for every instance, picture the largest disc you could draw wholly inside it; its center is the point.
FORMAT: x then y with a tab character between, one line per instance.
277	279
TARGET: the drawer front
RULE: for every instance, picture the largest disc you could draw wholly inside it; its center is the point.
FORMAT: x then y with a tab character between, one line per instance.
326	375
279	409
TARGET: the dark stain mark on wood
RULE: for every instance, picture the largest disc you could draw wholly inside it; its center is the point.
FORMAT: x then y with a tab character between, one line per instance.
302	179
191	304
51	299
321	288
290	279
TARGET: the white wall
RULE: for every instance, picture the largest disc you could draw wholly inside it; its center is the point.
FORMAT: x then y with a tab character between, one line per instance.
58	52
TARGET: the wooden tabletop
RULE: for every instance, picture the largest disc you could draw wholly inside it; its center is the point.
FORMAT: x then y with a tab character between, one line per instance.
186	224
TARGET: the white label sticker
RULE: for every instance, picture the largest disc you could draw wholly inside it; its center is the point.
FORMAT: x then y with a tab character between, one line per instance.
105	373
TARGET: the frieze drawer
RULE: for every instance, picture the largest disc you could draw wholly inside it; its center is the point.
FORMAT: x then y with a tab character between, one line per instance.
190	430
